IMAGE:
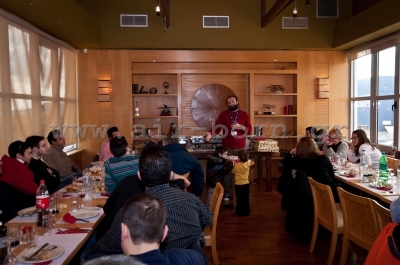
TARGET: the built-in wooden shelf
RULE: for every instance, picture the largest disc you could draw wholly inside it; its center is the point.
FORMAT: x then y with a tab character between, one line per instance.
153	117
154	95
275	95
275	116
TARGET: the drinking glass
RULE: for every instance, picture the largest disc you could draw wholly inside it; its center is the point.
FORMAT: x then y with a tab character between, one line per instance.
13	234
82	193
10	258
74	203
97	185
32	233
47	225
74	183
54	205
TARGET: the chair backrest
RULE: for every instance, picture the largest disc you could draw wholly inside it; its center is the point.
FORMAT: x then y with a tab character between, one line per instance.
96	158
382	214
324	204
360	222
393	163
215	205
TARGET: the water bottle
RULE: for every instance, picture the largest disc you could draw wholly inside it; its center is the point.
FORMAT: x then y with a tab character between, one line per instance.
364	166
87	182
3	234
42	202
383	168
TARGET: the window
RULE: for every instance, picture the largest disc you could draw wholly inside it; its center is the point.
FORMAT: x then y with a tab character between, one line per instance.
40	87
375	97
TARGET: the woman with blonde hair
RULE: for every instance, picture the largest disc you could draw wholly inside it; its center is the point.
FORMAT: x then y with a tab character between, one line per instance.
335	144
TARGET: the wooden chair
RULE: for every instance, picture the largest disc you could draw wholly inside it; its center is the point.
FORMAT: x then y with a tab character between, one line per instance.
393	163
210	233
360	222
96	158
382	214
326	214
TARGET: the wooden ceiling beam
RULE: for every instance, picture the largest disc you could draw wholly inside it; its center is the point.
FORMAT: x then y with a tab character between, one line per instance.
275	10
164	5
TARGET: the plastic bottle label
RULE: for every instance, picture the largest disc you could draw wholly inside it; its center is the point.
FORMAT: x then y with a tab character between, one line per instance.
42	202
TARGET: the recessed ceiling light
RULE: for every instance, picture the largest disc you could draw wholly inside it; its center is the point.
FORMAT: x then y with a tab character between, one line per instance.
58	22
31	4
275	60
77	35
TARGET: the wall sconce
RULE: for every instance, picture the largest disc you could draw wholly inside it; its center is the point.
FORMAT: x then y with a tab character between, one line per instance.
103	90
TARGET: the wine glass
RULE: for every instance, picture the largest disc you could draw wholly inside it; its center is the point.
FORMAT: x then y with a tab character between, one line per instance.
82	193
10	258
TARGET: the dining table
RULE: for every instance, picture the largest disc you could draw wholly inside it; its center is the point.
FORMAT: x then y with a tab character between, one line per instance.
386	195
71	242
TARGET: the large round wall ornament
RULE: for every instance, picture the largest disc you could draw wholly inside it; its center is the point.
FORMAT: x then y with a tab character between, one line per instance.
208	102
153	90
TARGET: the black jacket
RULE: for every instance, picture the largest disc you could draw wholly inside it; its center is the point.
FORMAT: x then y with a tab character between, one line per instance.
214	176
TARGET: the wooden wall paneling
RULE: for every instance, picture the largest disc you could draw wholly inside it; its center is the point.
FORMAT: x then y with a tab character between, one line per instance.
339	91
212	56
305	91
322	110
192	82
104	72
87	101
179	91
122	92
251	99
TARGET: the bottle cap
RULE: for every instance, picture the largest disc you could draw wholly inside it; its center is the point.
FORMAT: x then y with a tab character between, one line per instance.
383	153
87	167
41	181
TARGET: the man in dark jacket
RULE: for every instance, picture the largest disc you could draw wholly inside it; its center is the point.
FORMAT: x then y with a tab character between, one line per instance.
184	162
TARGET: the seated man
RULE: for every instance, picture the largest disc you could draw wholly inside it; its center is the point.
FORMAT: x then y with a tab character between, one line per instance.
15	168
143	227
184	162
185	226
59	160
39	168
105	152
121	165
155	139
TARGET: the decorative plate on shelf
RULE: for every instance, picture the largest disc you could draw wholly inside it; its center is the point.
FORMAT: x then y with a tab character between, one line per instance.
276	89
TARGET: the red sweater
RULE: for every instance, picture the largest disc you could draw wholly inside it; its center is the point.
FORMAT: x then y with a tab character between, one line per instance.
18	175
229	141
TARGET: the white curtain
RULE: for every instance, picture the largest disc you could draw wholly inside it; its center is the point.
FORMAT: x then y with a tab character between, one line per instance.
37	85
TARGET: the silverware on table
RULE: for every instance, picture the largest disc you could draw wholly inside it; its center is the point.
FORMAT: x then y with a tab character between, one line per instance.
37	251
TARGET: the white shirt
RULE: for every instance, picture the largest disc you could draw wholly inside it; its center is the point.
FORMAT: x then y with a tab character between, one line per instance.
374	154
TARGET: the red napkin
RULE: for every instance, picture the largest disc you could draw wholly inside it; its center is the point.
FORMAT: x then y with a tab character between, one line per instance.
69	218
79	181
26	228
67	195
73	231
43	263
104	194
385	188
351	176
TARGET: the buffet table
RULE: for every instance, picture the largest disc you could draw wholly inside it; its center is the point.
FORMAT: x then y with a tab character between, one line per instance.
264	168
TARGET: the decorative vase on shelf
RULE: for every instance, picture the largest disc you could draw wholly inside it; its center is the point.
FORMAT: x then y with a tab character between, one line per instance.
276	89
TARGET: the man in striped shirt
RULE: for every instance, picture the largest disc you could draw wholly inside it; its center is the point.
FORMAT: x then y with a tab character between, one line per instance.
121	165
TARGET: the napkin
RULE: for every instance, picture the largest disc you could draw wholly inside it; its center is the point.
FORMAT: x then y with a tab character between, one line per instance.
26	228
105	194
43	263
384	188
73	231
351	176
68	218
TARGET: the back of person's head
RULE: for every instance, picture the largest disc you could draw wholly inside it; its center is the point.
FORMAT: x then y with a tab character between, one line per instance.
169	140
34	140
118	259
243	156
155	166
52	136
306	148
145	216
220	150
17	147
110	131
118	146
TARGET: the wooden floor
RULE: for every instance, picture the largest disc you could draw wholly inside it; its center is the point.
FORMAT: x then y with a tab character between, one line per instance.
262	239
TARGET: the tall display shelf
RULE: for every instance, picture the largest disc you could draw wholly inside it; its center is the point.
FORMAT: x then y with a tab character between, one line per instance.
266	101
150	104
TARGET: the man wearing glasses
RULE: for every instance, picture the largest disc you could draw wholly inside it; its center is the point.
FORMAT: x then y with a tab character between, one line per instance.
15	168
39	168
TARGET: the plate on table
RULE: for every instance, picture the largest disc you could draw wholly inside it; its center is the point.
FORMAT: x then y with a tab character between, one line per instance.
42	257
28	211
85	214
71	192
381	186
